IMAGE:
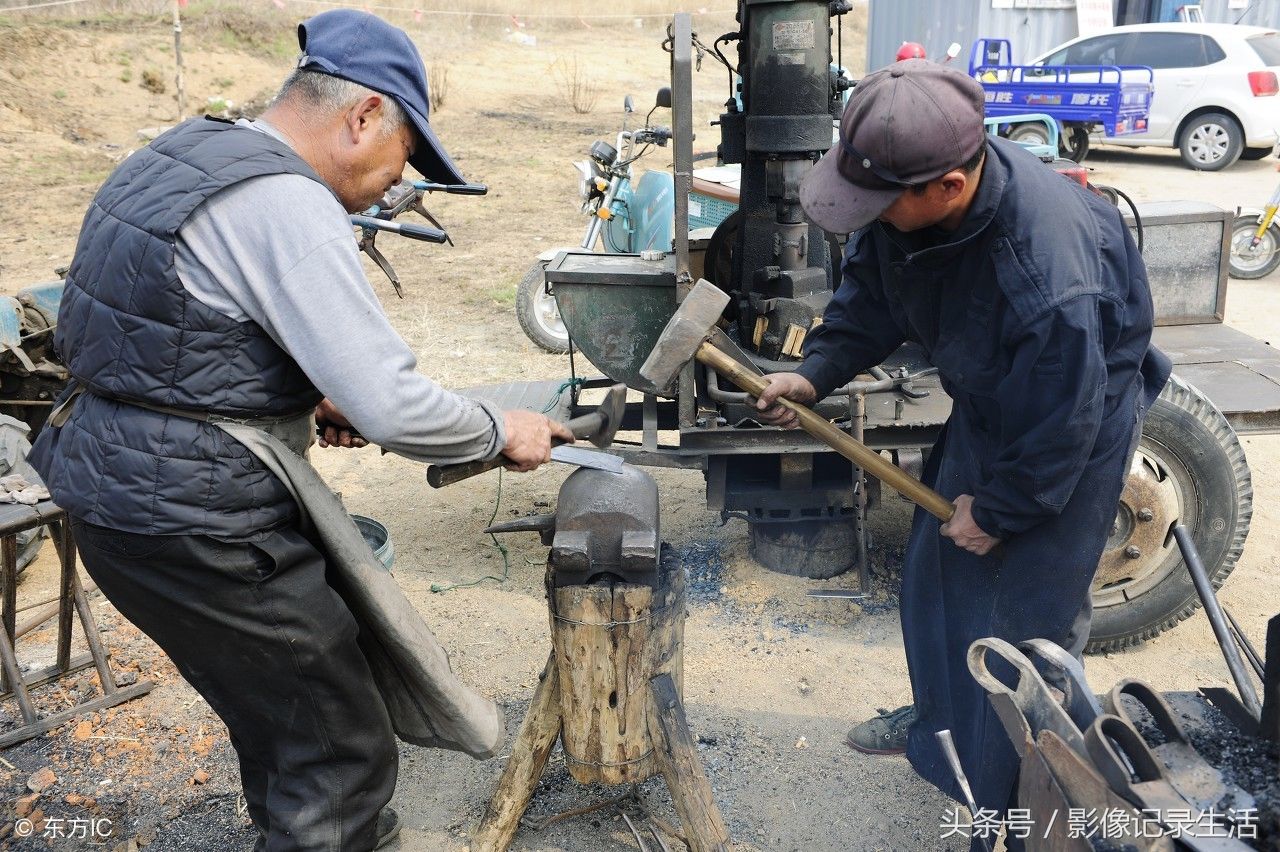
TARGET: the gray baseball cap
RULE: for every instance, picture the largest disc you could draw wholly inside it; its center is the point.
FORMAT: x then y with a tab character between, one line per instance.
905	124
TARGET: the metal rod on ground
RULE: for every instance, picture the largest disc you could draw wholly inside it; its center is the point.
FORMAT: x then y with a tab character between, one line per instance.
1212	609
1250	653
948	746
653	829
635	834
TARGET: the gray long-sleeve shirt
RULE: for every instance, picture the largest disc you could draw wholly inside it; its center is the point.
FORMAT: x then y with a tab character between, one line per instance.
279	250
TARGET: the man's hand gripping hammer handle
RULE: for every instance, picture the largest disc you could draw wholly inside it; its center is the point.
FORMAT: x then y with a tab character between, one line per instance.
827	432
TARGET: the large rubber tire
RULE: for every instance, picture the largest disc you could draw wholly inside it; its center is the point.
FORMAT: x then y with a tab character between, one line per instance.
1074	143
1251	154
1211	142
1189	469
1247	262
538	314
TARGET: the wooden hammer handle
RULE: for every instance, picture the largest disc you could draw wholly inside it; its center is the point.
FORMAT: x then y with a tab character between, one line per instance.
827	432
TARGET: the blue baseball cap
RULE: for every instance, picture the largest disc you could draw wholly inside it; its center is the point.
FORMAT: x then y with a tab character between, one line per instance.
365	49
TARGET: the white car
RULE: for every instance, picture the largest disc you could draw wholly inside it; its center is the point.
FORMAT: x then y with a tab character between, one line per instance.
1216	86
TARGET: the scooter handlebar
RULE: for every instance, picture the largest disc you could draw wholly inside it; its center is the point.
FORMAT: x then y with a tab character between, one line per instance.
452	188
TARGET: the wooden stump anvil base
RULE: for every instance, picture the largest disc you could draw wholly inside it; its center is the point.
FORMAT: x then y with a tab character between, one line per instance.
611	692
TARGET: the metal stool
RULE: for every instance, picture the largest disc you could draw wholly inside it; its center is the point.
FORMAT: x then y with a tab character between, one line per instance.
14	519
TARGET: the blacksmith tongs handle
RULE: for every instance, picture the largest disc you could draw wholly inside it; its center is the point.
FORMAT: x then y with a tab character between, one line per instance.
438	476
1152	702
1065	672
1031	696
1123	757
1189	773
1132	770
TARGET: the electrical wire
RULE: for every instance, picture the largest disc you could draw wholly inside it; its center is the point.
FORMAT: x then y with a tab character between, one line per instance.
1137	217
440	588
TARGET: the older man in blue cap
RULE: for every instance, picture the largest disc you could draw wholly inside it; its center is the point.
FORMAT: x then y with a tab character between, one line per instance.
1028	294
216	276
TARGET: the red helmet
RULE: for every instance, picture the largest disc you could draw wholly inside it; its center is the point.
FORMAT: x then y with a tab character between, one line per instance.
910	50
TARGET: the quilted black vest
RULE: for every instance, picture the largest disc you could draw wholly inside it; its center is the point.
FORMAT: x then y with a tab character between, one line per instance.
129	330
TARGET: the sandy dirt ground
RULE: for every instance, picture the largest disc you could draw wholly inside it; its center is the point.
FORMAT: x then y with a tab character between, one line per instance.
772	679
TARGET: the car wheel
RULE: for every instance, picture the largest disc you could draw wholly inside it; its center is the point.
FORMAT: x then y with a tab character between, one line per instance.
1190	469
538	314
1255	153
1211	142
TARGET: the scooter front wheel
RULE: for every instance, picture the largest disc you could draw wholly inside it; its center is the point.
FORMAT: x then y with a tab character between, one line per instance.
538	314
1247	260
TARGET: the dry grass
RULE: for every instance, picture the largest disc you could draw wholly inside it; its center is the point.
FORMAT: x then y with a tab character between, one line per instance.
437	84
577	88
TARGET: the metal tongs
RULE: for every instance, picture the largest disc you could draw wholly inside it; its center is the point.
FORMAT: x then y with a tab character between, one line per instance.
1190	774
1069	719
1133	770
406	195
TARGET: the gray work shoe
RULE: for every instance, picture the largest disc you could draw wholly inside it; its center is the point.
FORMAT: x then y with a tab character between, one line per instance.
388	826
885	734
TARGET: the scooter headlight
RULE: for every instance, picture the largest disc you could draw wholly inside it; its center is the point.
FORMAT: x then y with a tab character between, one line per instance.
586	179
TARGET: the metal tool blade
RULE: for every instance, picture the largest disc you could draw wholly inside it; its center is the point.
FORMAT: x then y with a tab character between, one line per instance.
726	344
581	457
844	594
948	746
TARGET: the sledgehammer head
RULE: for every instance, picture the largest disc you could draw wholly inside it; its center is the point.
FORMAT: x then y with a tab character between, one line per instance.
685	332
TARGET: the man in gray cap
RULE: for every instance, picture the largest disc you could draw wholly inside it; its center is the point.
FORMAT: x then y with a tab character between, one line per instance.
216	277
1028	294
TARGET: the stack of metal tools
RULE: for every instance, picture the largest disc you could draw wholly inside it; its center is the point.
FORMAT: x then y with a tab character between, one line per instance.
1122	772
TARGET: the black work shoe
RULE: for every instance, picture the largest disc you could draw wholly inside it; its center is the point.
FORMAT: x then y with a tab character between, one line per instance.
885	734
388	826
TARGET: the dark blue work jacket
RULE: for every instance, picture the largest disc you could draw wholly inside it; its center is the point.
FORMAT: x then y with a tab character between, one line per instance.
1036	312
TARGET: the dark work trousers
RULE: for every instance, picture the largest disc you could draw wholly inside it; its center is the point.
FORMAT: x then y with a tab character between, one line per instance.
1038	587
260	634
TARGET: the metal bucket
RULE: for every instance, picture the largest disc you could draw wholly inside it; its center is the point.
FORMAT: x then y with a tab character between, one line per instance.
378	539
614	306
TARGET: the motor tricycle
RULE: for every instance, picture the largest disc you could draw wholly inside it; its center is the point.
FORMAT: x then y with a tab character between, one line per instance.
805	508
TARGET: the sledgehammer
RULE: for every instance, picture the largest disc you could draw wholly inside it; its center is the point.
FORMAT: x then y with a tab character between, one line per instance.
686	336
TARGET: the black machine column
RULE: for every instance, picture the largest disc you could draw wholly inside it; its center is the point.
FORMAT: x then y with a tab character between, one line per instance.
801	508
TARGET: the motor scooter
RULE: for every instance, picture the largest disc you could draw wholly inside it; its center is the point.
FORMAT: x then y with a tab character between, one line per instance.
626	215
1255	241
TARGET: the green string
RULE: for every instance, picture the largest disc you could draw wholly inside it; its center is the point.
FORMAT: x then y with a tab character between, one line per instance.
506	561
555	397
439	588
